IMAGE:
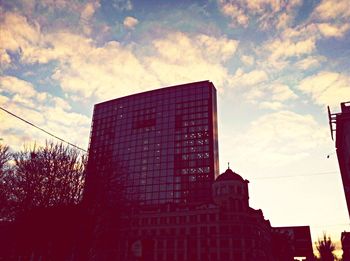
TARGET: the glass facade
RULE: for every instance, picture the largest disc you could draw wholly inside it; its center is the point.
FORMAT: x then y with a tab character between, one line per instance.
160	146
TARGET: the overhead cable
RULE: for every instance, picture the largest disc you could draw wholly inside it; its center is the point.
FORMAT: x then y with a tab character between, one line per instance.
35	126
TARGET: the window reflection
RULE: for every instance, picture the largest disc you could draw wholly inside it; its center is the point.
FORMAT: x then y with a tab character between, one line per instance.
159	138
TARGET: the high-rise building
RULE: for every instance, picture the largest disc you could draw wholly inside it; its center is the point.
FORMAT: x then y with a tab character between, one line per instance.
158	146
340	123
153	189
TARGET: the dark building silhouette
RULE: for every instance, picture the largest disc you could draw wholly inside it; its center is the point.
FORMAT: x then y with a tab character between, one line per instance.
45	233
293	241
345	242
153	189
161	146
340	124
226	228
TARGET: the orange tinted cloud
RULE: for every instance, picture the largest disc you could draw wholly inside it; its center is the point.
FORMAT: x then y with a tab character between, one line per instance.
327	88
130	22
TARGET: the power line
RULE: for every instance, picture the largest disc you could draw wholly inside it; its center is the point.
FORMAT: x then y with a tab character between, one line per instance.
255	178
33	125
298	175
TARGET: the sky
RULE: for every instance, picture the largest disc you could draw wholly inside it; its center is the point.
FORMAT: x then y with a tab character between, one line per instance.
276	64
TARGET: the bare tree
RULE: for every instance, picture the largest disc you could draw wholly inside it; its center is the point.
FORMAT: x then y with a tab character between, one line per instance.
5	156
43	176
5	170
325	248
40	191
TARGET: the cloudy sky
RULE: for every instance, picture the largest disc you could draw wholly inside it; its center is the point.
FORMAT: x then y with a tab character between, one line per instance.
276	65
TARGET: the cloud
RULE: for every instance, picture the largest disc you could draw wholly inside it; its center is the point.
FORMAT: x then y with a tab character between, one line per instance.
247	60
283	20
102	72
270	96
310	62
327	88
52	15
235	13
182	48
284	49
260	6
12	85
281	92
27	40
122	5
297	45
114	70
88	11
86	14
17	34
300	32
266	13
292	43
332	9
251	78
5	59
216	48
49	112
274	105
85	70
277	139
180	58
331	30
130	22
332	17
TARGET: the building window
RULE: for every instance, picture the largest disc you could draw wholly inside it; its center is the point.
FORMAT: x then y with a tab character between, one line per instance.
193	219
224	243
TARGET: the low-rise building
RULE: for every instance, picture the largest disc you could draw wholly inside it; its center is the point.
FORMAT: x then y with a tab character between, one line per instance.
297	243
226	229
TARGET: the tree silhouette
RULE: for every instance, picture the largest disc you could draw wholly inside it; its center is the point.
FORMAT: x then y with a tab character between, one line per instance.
40	192
5	157
42	176
325	248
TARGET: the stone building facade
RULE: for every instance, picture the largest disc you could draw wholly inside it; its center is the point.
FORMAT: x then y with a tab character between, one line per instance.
225	229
